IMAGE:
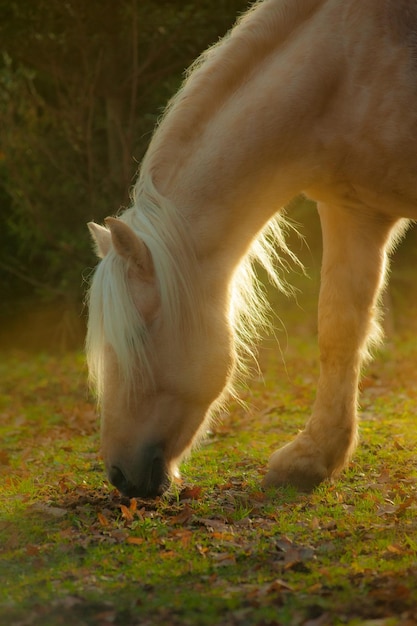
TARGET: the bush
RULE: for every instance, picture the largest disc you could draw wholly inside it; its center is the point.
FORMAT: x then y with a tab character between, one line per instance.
81	87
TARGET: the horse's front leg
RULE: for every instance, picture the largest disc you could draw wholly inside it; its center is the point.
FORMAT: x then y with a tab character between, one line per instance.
354	259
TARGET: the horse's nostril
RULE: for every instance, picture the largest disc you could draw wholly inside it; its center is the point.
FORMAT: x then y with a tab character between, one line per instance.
151	476
118	479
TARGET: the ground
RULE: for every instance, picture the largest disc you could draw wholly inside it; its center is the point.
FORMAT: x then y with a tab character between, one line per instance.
216	550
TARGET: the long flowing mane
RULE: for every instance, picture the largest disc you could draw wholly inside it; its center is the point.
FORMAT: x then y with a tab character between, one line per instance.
115	319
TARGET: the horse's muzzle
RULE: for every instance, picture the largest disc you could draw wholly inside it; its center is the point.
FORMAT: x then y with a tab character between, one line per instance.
151	472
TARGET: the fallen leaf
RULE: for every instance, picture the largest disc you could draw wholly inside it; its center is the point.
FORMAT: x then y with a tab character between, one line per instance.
384	476
183	516
213	525
408	502
203	550
32	550
4	458
259	496
168	554
294	555
278	585
297	566
46	509
103	519
191	493
223	559
126	513
386	509
105	617
223	536
394	549
182	535
137	541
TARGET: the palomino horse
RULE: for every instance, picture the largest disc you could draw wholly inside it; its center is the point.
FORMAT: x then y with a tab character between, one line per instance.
312	96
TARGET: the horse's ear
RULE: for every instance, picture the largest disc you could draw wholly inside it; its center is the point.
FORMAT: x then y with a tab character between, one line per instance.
129	246
101	237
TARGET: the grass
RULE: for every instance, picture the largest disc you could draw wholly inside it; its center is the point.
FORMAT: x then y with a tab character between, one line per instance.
216	550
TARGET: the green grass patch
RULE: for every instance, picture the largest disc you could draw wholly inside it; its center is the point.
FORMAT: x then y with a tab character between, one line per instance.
216	550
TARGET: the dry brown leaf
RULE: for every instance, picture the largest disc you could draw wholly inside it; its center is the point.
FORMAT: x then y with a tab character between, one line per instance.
182	535
223	536
395	549
214	525
183	516
278	585
137	541
223	559
102	519
169	554
46	509
4	458
408	502
126	513
191	493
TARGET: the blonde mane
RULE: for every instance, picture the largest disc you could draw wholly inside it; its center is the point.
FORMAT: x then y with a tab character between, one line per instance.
115	320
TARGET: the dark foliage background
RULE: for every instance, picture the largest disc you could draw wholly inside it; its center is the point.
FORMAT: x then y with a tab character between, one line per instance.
82	85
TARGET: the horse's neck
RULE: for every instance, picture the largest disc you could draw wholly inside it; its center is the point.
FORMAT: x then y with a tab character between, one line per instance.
220	152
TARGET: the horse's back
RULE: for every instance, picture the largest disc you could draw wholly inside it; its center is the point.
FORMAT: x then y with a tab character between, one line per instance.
368	132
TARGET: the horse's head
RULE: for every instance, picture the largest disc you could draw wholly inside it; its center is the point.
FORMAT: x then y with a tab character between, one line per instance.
156	380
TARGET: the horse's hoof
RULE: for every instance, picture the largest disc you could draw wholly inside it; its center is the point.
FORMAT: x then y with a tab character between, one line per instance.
300	480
